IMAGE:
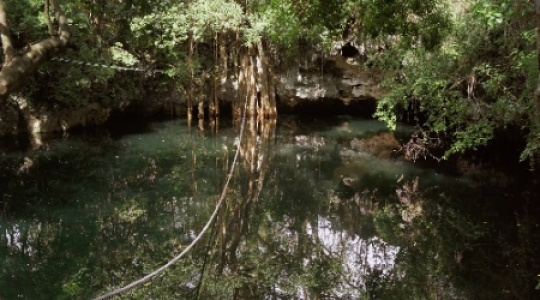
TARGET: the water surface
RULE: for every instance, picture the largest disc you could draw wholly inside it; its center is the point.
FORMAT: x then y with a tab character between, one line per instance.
315	210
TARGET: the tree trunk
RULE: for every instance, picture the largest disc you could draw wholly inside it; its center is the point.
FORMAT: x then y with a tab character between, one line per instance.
223	68
213	86
262	80
242	82
17	67
251	82
9	51
46	11
96	23
201	110
537	9
266	82
190	83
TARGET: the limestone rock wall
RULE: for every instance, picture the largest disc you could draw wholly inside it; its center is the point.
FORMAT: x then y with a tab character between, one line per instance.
22	116
345	79
328	80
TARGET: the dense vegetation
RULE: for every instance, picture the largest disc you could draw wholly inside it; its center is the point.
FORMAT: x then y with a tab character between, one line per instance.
479	83
465	72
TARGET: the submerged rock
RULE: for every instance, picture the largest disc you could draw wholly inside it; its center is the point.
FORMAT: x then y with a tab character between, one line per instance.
383	145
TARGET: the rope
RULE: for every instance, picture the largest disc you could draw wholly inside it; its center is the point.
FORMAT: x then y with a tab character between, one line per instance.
120	68
203	231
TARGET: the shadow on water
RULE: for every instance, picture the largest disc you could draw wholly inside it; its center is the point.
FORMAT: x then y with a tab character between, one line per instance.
316	210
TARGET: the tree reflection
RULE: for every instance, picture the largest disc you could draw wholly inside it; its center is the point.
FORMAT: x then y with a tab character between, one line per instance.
304	219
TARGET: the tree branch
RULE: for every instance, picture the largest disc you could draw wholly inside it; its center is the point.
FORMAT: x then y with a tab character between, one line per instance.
46	5
15	70
63	27
5	36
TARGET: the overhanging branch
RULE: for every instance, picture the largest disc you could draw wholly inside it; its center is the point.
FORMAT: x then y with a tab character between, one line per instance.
5	37
22	65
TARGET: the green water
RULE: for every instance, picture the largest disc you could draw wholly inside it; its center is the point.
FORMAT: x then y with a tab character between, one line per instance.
307	216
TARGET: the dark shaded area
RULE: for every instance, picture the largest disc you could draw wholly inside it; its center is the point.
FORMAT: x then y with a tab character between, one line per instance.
501	155
348	50
364	108
19	142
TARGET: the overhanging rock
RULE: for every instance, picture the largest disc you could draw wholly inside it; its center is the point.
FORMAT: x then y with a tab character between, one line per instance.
343	79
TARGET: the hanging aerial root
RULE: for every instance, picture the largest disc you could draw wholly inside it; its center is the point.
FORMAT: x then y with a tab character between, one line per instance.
151	276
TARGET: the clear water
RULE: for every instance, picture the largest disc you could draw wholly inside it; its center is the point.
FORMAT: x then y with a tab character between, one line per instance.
307	216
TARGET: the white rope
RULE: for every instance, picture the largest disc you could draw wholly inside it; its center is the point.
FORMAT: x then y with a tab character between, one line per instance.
203	231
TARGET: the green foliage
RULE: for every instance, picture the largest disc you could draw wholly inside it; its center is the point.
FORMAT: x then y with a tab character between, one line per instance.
489	13
532	150
23	19
131	211
171	23
465	79
71	289
118	54
480	82
414	21
322	16
286	27
257	30
214	16
165	29
70	80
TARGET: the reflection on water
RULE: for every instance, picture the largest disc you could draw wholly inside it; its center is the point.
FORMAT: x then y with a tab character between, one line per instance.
361	259
315	210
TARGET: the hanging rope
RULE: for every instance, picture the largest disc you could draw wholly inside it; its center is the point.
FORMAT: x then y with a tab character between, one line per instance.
197	238
120	68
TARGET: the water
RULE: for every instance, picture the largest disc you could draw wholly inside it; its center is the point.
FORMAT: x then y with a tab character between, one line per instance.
315	210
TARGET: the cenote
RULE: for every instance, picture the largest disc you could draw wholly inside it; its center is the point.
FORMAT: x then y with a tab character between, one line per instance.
315	210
